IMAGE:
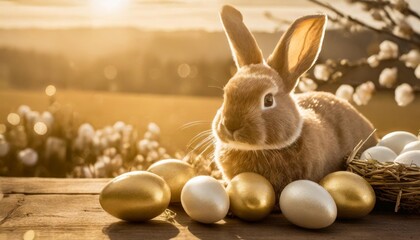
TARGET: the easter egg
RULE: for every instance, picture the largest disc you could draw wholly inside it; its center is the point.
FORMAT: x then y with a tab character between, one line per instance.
411	147
204	199
135	196
353	195
379	153
409	158
176	173
306	204
397	140
252	196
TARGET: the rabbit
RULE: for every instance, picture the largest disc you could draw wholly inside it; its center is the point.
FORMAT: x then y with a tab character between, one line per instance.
264	127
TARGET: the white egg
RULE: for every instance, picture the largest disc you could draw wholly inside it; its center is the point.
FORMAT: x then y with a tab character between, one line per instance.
204	199
379	153
411	147
409	158
397	140
307	204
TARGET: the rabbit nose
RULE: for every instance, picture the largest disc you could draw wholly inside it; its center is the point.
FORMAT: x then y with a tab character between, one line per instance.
231	126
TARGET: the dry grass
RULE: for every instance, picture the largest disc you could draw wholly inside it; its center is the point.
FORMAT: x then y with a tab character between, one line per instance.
392	182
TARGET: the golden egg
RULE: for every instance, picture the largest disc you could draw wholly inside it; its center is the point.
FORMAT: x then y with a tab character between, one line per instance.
252	197
176	173
353	195
135	196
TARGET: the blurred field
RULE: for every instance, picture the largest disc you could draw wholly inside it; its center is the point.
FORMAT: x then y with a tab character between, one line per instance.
101	109
172	112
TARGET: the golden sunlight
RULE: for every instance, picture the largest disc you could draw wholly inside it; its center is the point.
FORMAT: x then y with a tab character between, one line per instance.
108	6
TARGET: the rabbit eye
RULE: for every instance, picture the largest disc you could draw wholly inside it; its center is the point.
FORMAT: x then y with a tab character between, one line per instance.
268	100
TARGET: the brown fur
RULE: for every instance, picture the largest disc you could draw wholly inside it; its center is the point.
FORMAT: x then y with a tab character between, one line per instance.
303	136
321	148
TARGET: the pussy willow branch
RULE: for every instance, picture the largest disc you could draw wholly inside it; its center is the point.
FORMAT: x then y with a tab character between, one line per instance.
349	66
383	3
388	15
278	20
415	42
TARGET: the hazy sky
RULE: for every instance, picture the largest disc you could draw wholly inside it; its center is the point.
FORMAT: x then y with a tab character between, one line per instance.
149	14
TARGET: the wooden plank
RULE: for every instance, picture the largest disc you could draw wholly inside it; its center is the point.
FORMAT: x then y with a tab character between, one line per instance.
67	216
52	185
76	216
8	205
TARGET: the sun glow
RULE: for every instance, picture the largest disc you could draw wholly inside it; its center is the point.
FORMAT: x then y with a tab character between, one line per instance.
108	6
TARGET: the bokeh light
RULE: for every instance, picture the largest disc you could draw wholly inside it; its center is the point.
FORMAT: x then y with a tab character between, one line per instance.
110	72
40	128
13	118
184	70
50	90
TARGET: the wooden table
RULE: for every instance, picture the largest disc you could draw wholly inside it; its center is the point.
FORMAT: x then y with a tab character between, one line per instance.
69	209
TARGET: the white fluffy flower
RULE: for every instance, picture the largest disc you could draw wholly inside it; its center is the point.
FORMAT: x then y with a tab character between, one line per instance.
32	117
161	151
345	91
417	72
388	77
126	132
363	93
47	118
4	148
403	29
153	145
387	50
400	5
86	131
55	148
411	59
28	157
322	72
143	146
100	142
79	143
23	110
152	156
373	61
100	169
119	126
307	85
153	128
114	138
87	172
108	130
404	94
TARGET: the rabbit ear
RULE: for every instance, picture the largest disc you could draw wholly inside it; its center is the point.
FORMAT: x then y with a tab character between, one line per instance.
243	45
298	48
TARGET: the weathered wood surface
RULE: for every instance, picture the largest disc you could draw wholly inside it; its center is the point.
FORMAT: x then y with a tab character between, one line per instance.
69	209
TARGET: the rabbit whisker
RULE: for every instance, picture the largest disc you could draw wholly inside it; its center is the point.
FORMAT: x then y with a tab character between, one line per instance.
193	123
203	142
205	133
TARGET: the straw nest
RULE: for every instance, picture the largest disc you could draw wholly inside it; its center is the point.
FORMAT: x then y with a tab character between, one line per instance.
392	182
